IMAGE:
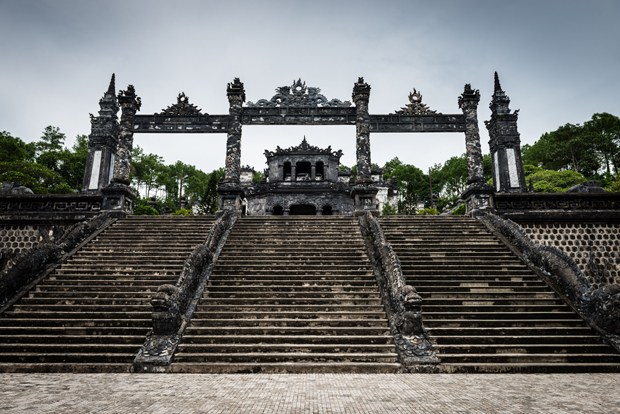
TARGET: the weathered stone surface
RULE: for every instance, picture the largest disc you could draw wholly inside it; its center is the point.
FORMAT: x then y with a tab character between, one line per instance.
236	97
403	304
173	306
20	269
130	104
586	187
102	142
298	96
600	306
468	102
361	95
505	144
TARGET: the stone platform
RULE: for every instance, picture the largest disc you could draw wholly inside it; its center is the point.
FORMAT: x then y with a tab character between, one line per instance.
310	393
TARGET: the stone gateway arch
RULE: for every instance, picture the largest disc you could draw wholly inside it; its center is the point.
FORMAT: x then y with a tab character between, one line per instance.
111	141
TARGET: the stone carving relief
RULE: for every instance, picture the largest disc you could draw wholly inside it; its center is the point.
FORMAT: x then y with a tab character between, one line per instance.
304	147
415	106
182	107
298	95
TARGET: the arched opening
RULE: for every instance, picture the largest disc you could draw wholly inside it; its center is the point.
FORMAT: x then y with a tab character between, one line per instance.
327	210
320	171
303	170
303	210
287	171
278	211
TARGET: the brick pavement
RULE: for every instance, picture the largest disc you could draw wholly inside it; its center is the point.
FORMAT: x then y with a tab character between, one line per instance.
309	393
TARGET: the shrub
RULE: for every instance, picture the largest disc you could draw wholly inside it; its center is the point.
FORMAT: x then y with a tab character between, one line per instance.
428	212
145	210
182	212
459	211
388	210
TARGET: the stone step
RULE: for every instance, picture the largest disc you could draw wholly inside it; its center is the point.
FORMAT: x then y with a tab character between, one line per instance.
273	323
300	339
511	340
528	368
234	348
80	322
563	348
529	358
312	367
512	323
267	357
266	315
65	357
510	331
282	330
430	316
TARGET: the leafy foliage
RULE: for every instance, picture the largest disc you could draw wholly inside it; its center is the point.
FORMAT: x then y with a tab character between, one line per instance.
549	181
40	179
182	212
388	210
145	210
460	211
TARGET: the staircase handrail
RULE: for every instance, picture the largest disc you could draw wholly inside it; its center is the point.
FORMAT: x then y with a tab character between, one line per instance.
599	307
173	306
403	303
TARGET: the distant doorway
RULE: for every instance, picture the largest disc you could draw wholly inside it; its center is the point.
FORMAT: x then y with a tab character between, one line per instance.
327	210
303	210
277	211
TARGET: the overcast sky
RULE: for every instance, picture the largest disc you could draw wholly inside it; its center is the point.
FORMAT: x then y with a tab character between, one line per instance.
558	61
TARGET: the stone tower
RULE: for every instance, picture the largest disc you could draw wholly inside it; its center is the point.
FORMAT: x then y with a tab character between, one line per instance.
505	144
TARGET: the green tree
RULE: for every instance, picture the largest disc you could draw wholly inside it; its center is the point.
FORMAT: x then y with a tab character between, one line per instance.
40	179
14	149
549	181
604	132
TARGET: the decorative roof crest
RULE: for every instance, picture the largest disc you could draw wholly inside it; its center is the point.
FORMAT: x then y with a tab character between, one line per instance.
298	95
303	148
415	106
182	107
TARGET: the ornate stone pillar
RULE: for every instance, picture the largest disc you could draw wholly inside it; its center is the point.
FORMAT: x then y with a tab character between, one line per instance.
102	143
313	172
363	192
280	172
505	144
293	172
468	102
478	195
130	104
117	196
229	191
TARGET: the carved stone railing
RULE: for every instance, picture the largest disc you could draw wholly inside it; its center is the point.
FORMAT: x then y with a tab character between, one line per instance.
401	301
599	307
173	306
19	272
557	206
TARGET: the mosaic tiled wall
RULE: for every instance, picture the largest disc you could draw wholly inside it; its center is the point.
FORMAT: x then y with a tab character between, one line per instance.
19	237
595	247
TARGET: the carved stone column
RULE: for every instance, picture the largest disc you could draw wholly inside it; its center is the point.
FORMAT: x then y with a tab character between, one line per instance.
505	144
293	172
363	192
229	191
102	143
313	172
468	102
130	104
117	196
478	195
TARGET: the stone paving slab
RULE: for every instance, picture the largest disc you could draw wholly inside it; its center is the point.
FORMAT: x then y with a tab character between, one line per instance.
309	393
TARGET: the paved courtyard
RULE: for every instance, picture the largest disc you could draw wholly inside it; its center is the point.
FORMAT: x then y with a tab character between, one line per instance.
311	393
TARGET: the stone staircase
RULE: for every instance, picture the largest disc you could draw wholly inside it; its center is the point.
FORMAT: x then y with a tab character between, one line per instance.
92	314
483	308
292	294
